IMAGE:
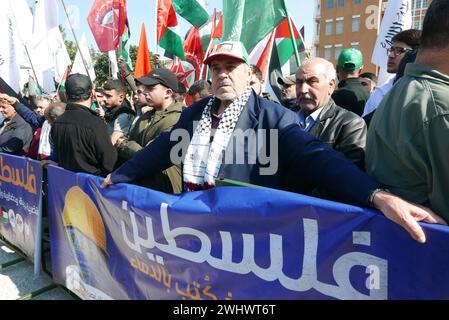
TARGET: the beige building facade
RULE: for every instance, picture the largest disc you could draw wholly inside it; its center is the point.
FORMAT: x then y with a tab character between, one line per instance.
342	24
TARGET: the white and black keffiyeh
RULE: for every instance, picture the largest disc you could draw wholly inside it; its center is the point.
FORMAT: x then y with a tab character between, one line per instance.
203	159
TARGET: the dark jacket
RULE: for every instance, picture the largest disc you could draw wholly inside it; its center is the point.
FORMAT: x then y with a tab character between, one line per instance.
16	136
343	131
291	104
296	156
148	127
112	114
351	95
81	142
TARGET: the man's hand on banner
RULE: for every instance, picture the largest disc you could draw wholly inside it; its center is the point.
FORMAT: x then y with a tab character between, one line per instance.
406	214
45	163
106	182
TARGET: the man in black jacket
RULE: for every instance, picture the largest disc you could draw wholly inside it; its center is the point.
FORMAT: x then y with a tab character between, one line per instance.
119	115
350	94
342	130
81	141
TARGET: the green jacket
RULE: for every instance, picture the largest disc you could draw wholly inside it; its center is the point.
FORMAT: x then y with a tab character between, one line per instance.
408	140
148	127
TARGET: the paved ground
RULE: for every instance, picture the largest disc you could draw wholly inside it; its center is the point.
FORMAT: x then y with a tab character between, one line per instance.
17	279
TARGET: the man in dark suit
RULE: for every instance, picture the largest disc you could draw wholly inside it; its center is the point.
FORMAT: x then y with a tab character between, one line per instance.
208	141
339	128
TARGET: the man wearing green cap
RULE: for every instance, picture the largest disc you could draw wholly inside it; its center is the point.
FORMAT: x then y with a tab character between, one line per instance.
350	95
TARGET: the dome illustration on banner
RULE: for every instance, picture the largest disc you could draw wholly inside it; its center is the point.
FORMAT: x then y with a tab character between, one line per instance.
89	275
85	230
12	218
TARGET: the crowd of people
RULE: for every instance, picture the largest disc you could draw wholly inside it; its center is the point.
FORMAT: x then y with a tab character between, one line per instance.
334	134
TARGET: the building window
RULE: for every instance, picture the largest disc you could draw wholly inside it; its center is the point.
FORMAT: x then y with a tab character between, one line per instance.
328	53
328	30
330	4
337	50
341	3
355	45
339	25
355	23
357	1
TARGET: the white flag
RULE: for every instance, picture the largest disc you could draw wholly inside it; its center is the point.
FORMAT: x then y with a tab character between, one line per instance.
23	25
50	57
114	64
9	48
78	65
397	18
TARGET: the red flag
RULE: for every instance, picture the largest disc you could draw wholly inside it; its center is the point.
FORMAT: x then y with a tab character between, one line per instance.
107	21
217	32
143	62
193	50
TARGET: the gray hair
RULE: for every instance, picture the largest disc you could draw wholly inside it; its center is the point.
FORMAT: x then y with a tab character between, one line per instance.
54	110
330	72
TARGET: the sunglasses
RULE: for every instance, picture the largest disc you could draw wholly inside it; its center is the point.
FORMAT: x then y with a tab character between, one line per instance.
398	50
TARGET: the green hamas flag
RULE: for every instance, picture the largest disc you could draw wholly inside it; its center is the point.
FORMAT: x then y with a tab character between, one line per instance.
194	11
241	23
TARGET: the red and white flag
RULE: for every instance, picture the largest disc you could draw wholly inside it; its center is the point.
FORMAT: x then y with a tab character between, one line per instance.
107	21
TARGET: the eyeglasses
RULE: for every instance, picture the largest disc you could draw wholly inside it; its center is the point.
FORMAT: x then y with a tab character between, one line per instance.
398	50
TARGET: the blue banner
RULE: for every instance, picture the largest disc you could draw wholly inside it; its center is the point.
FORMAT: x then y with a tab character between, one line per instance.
20	204
127	242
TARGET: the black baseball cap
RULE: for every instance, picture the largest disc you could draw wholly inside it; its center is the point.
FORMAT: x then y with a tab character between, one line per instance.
78	87
160	76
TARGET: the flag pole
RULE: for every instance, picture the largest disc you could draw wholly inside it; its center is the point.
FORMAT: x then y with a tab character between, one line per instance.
80	51
32	68
76	41
379	16
292	35
203	72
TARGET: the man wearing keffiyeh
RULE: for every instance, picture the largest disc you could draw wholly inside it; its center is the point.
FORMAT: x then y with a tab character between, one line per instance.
277	153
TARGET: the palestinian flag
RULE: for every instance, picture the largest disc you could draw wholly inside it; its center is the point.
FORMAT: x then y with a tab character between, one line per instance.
284	45
61	86
261	54
124	47
194	11
168	36
283	53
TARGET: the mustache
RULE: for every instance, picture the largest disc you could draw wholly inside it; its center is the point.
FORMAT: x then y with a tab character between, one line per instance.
223	83
306	98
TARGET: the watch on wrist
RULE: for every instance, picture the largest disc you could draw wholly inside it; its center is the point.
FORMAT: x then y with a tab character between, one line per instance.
371	197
